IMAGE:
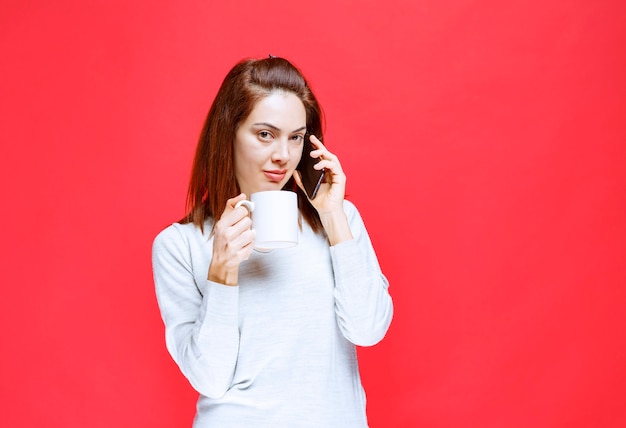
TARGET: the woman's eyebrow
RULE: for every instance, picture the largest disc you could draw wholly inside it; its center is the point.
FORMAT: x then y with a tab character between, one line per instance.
269	125
275	128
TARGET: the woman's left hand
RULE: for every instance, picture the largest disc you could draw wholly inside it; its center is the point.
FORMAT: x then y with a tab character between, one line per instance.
332	191
329	199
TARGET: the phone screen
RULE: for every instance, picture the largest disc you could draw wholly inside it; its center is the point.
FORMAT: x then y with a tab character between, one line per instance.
311	178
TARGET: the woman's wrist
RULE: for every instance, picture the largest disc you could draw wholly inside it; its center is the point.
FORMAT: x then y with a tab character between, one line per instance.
336	227
223	275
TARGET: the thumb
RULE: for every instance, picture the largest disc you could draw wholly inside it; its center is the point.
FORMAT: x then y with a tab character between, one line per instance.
230	204
298	178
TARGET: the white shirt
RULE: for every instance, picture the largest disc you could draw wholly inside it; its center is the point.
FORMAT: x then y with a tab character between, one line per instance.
277	350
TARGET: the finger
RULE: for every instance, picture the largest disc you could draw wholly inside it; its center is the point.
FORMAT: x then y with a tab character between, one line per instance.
232	240
235	218
247	238
318	147
247	250
233	223
232	202
298	179
243	225
244	246
321	150
331	166
232	213
239	213
317	143
241	240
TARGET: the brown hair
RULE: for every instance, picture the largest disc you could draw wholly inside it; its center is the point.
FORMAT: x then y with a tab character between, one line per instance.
213	179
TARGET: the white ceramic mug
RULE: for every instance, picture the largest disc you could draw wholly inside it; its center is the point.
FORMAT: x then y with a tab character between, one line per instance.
274	218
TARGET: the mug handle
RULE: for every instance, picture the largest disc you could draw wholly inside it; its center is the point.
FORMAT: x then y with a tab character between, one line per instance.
248	204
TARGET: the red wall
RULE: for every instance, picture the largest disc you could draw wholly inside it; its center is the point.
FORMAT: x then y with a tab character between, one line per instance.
484	143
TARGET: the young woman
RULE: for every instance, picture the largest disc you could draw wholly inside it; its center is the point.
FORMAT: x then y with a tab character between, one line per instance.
268	338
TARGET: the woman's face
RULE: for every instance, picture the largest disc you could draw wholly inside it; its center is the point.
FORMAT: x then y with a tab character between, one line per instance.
269	143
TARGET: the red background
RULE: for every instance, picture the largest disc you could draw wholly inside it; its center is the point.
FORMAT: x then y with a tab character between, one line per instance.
484	143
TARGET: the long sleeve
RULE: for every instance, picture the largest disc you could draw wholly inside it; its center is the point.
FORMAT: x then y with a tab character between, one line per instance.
279	348
363	306
200	316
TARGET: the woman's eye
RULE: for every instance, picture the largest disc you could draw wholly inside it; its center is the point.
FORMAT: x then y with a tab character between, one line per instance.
264	135
298	138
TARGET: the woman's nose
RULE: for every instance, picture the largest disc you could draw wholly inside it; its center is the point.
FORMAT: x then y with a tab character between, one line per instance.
281	151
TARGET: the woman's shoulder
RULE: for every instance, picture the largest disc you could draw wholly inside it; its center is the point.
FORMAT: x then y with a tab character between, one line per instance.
354	217
182	232
351	210
349	207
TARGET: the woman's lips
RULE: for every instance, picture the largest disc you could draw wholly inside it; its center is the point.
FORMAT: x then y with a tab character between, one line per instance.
275	175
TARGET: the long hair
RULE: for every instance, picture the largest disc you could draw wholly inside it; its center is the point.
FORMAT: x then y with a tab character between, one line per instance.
213	179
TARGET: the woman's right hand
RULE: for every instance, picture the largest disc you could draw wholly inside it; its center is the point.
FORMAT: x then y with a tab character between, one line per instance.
233	241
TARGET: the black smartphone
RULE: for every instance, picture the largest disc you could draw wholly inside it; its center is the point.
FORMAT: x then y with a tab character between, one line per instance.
311	177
